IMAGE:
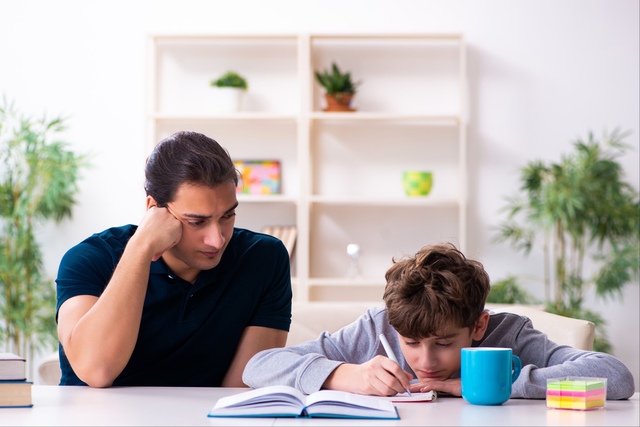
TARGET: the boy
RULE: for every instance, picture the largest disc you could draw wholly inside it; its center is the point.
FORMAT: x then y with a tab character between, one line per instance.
434	308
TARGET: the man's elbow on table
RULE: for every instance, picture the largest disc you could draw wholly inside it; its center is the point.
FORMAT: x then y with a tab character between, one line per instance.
96	376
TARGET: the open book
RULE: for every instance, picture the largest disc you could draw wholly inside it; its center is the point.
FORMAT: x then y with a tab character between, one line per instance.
285	401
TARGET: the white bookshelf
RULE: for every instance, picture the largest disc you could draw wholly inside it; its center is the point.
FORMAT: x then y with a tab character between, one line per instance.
341	172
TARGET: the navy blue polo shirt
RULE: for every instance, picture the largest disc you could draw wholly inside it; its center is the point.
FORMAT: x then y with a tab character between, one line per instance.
188	333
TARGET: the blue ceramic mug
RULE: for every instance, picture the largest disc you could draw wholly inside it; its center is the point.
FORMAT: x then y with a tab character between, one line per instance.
487	374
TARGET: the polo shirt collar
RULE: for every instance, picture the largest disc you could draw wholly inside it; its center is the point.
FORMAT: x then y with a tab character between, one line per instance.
228	259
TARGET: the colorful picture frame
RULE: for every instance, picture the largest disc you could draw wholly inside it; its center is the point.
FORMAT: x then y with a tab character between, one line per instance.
258	177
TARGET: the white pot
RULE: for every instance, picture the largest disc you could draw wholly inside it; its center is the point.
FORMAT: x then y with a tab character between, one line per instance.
227	99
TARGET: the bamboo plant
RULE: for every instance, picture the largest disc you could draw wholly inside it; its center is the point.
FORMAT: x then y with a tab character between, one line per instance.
577	210
38	177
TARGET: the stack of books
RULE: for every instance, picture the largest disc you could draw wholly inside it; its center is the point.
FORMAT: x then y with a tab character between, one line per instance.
15	390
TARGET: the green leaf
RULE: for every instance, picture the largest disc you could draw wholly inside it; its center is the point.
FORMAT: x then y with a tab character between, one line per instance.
336	81
509	291
38	182
580	208
230	79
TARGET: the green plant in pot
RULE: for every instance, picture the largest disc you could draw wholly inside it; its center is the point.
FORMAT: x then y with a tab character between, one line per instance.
576	209
339	88
38	176
230	87
230	79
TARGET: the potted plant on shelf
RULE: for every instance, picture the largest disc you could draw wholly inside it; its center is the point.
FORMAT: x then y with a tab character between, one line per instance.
339	89
230	88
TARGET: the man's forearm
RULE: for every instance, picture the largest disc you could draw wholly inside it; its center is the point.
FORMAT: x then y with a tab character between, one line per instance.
100	342
254	339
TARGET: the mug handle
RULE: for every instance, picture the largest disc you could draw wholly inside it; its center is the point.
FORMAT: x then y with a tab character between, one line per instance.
517	367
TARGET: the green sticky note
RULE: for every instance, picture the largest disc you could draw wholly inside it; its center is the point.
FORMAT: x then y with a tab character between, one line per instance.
594	385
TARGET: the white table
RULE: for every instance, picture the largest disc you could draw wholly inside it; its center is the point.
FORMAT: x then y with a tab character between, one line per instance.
85	406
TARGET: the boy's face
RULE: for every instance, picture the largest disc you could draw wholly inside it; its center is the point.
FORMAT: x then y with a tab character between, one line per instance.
438	357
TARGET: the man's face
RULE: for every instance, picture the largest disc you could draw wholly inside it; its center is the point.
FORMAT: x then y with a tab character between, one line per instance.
438	357
208	217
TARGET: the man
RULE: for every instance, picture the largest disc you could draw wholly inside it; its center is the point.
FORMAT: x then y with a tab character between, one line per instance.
434	308
182	299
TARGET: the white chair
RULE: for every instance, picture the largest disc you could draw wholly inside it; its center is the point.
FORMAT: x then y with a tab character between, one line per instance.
561	330
312	318
49	370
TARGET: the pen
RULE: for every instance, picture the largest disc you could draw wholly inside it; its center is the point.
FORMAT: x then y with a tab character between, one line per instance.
390	353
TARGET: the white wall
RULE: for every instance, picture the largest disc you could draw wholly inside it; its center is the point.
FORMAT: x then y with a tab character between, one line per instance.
540	74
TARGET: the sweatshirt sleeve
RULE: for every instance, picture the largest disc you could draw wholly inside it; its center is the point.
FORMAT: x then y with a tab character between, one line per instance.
307	366
543	359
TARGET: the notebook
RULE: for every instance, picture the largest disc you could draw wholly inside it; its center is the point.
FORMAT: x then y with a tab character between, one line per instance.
429	396
285	401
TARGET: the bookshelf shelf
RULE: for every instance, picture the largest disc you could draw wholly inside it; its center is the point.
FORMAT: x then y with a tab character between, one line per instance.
341	172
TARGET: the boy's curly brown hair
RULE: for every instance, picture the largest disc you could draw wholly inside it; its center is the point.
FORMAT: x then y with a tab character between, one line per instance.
434	291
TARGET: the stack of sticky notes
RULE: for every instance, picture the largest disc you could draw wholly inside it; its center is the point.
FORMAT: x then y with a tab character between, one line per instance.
577	393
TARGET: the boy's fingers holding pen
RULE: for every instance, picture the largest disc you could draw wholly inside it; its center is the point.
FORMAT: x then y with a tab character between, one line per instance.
386	376
379	376
368	378
399	375
384	389
392	356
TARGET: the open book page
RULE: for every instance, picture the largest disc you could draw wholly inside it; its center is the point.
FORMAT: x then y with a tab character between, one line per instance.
429	396
336	410
268	400
340	403
284	401
349	399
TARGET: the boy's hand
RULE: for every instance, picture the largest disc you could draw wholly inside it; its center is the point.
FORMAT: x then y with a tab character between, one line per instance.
451	386
379	376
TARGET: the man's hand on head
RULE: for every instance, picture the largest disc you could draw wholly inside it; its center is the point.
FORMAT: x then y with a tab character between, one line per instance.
159	230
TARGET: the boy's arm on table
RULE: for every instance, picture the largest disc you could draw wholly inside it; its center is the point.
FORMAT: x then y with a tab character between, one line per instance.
543	359
312	365
305	366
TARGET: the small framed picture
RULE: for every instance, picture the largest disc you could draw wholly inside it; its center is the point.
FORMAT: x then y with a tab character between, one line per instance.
258	176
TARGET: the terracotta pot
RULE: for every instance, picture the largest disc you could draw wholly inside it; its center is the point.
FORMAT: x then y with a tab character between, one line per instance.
339	102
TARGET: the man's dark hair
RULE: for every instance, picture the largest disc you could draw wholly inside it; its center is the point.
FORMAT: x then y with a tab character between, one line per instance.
435	291
186	157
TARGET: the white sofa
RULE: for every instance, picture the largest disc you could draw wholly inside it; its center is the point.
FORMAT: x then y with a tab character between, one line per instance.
312	318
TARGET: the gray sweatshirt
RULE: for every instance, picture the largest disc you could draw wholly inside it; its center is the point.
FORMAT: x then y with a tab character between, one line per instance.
306	366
